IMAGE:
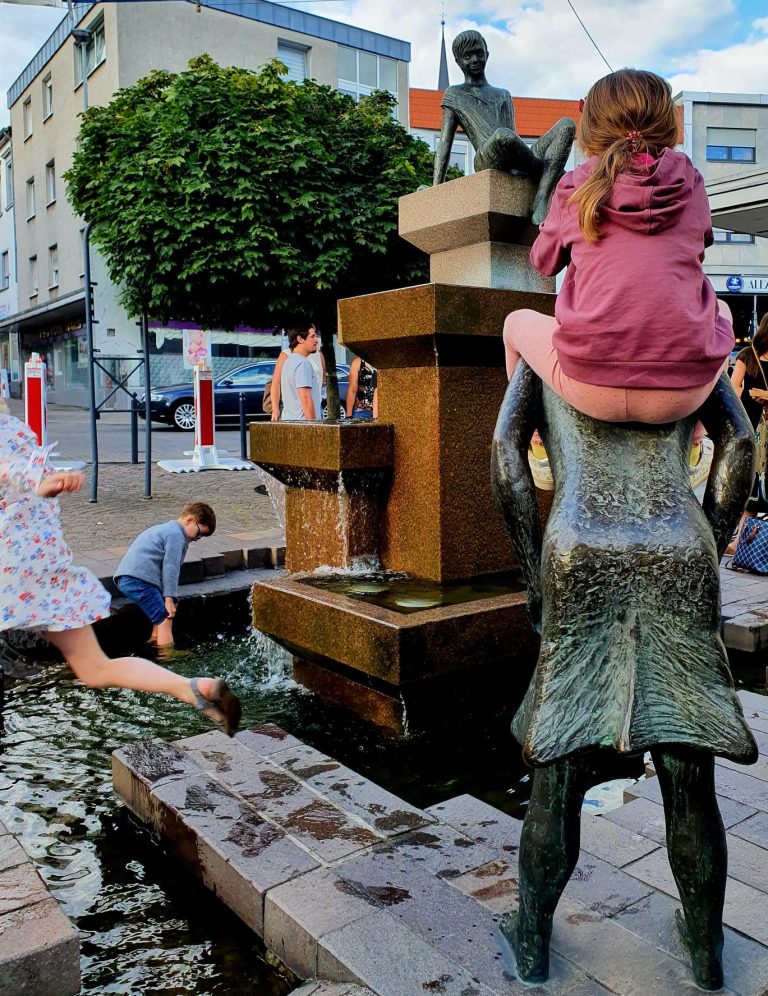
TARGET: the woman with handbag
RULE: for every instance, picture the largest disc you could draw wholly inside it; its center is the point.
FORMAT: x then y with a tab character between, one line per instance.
750	381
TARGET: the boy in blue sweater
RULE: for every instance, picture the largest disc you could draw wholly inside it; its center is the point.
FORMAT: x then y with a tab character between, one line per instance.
149	572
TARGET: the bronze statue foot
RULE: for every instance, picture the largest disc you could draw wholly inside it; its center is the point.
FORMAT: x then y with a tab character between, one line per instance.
707	964
531	955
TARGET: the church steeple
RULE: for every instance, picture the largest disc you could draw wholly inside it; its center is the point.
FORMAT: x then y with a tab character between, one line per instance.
442	76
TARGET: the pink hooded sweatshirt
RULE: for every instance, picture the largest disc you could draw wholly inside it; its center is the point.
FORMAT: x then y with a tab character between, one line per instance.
635	308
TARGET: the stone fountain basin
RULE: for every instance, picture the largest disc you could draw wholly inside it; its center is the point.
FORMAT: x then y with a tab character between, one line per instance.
393	647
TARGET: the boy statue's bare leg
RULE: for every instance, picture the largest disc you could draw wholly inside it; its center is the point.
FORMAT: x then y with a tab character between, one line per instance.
697	854
553	149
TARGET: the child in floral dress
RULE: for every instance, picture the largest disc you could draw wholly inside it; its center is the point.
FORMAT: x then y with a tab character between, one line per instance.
42	590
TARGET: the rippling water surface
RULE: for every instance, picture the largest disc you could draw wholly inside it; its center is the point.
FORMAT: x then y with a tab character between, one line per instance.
146	926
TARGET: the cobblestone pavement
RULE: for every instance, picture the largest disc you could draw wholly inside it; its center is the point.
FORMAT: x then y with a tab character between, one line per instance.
122	512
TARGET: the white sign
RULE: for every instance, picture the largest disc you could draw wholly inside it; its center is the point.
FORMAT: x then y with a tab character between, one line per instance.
740	283
196	347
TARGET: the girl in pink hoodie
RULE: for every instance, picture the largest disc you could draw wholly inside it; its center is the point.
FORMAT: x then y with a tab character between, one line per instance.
638	334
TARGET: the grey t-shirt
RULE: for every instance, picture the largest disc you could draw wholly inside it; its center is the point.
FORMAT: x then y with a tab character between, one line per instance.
298	371
156	556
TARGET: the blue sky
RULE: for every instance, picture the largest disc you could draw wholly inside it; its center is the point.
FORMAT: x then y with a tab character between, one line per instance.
537	47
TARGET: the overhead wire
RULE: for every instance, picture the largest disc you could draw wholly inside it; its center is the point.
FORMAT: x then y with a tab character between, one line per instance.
586	32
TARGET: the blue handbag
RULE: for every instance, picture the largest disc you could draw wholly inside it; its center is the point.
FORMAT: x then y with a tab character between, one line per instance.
752	547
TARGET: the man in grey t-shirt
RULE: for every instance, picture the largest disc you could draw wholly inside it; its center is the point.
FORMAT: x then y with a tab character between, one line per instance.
300	384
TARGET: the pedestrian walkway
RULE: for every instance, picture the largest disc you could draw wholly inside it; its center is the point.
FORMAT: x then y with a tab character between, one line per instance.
745	609
346	882
99	534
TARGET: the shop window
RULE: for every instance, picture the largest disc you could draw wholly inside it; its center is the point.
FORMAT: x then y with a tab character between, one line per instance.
47	97
294	58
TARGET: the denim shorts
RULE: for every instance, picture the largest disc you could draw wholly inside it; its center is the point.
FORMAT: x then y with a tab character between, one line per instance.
148	598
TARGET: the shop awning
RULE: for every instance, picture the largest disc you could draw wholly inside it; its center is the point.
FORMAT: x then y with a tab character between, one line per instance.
739	203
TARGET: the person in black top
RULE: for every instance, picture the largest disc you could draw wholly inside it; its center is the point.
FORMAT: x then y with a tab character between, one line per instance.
362	393
748	375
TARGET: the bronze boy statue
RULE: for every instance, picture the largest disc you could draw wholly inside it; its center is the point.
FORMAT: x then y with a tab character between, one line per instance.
487	116
625	590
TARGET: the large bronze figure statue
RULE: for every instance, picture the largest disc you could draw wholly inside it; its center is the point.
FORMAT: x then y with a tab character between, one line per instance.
487	115
625	591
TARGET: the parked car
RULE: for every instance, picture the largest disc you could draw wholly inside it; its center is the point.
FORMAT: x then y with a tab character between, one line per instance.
175	404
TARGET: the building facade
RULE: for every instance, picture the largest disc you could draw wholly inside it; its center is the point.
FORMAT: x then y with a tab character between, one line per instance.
121	43
726	136
9	294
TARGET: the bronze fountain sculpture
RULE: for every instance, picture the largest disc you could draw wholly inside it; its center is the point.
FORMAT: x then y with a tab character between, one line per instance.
624	589
487	115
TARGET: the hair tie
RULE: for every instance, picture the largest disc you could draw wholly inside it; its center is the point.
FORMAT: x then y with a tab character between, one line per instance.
634	138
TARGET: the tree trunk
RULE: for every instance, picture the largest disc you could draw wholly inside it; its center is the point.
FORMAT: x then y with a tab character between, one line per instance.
331	378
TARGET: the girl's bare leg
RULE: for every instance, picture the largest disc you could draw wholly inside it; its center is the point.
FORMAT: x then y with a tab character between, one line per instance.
91	665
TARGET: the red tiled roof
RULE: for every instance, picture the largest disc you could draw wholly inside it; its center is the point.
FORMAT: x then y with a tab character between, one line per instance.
533	115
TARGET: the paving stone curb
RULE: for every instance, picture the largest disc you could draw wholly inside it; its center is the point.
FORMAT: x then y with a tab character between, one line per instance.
39	947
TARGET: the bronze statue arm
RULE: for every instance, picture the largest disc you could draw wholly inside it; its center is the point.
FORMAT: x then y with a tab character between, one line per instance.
732	474
444	146
511	480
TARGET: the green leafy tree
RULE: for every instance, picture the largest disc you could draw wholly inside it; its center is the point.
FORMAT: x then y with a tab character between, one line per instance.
227	197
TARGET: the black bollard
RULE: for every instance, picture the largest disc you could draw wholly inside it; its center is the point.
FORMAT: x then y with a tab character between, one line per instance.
243	440
134	429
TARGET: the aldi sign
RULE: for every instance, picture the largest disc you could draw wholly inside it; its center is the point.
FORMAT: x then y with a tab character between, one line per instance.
738	283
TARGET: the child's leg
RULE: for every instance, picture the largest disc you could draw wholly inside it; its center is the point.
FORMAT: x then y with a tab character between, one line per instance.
91	665
164	636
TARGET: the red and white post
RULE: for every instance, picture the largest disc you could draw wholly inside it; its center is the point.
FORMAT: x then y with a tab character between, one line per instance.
204	453
35	413
204	456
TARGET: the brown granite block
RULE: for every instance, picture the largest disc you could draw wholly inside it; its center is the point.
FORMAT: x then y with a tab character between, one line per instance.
393	647
433	325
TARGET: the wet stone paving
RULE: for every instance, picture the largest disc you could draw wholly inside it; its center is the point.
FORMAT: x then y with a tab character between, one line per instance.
348	884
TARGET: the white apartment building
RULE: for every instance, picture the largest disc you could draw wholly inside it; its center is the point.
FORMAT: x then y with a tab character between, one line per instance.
125	42
726	136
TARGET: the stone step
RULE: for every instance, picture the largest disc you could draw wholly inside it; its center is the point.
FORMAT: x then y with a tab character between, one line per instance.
348	884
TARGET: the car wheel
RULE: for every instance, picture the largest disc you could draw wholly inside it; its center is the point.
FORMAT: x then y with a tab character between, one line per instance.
183	415
342	412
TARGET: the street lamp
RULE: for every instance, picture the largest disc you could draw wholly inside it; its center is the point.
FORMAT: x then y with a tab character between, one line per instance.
82	38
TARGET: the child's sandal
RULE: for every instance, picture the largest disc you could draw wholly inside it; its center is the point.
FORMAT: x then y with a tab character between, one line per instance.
222	701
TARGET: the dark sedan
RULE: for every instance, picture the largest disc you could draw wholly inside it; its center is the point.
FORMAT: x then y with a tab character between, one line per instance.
175	403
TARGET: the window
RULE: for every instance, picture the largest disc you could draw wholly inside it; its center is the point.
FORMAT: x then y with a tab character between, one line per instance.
53	266
30	198
740	238
33	276
8	180
5	270
731	145
94	53
458	158
360	73
295	58
47	97
50	182
26	115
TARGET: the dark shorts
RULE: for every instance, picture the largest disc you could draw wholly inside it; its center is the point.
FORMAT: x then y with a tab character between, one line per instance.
148	598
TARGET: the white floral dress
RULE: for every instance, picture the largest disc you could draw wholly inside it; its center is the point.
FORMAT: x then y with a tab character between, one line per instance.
40	588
